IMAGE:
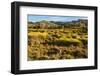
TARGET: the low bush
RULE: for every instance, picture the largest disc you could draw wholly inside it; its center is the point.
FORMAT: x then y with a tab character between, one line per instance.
66	42
84	41
53	51
68	56
74	36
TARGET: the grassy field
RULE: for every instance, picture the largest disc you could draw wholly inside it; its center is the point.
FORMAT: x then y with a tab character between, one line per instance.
53	44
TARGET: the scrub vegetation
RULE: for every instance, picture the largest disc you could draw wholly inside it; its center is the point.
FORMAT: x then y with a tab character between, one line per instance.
50	40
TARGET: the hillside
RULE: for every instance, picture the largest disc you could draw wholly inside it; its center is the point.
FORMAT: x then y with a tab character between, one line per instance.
52	24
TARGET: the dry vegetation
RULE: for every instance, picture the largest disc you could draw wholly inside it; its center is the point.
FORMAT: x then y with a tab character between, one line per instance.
52	41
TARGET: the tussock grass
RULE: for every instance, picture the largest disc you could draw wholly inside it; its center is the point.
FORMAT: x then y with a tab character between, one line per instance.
53	44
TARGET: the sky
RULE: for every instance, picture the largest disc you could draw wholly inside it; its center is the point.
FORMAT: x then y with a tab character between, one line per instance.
37	18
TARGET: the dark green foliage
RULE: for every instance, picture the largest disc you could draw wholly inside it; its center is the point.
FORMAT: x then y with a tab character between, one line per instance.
84	41
65	42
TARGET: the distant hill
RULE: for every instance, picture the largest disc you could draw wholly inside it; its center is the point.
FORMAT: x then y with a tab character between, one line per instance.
55	24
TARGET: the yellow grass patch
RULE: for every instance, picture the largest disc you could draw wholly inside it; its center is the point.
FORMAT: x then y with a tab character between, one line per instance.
38	34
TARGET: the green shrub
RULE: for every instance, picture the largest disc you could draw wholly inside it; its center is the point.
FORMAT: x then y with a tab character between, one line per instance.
56	36
69	41
65	42
68	56
84	41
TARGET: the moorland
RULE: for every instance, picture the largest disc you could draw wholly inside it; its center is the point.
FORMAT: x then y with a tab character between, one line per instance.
51	40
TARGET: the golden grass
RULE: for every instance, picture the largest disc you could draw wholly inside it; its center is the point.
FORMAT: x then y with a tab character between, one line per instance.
37	34
68	44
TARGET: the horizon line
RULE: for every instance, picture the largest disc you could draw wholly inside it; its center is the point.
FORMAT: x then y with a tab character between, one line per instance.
57	21
37	18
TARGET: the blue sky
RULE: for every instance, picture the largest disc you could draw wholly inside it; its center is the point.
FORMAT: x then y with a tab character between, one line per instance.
36	18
